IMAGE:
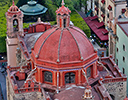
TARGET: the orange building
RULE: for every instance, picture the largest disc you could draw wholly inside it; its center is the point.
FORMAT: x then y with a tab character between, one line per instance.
57	62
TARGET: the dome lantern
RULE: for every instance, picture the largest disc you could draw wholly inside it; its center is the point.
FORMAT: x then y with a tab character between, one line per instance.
63	17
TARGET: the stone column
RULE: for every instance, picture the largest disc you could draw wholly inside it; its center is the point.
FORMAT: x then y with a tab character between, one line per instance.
39	78
54	78
61	79
79	77
94	70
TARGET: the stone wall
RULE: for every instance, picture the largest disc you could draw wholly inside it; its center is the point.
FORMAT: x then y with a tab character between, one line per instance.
28	96
117	90
21	96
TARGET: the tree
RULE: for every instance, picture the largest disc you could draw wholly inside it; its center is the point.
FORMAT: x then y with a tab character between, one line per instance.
84	2
21	2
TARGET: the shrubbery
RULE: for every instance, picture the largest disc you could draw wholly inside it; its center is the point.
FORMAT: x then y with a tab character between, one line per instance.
79	22
4	6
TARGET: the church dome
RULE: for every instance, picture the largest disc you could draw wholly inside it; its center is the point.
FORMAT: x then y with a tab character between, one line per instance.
63	45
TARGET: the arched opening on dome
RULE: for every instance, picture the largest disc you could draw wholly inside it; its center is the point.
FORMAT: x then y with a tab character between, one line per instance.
64	23
89	71
69	78
15	25
47	76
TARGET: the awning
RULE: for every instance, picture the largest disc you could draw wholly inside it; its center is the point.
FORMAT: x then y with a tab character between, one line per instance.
97	28
100	35
94	17
99	24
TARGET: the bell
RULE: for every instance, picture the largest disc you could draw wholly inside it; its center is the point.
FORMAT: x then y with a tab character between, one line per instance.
15	23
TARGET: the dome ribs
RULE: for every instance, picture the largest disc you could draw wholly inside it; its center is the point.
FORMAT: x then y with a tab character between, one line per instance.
79	31
76	43
37	55
58	60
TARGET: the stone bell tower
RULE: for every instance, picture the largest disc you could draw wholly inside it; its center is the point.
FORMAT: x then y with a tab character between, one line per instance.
14	28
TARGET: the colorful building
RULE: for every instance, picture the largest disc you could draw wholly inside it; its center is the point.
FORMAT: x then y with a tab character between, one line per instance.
57	63
118	40
102	8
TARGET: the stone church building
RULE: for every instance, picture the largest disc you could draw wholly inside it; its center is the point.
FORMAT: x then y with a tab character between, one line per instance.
57	62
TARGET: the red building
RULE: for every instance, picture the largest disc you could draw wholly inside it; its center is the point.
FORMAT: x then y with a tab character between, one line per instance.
57	62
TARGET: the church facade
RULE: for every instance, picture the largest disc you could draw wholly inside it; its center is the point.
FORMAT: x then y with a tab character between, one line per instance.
57	62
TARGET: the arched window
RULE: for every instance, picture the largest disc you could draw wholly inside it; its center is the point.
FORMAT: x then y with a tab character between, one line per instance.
15	25
88	71
123	71
64	23
70	77
47	76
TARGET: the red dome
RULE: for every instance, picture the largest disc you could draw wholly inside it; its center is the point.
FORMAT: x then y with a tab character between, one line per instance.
63	45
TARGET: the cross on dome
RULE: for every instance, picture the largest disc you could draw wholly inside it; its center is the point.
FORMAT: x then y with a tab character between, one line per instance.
13	2
62	3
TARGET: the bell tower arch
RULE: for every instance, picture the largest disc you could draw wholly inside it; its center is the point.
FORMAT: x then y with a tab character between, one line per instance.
14	28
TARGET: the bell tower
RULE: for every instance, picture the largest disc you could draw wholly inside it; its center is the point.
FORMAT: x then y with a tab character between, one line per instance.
63	16
14	28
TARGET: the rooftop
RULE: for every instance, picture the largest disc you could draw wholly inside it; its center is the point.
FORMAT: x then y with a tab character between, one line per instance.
115	75
124	26
32	8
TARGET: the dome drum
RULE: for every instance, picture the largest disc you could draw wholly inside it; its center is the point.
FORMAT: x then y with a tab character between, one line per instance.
43	74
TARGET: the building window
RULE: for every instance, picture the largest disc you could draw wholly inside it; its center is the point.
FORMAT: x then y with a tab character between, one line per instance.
88	71
123	59
123	47
117	49
48	76
70	77
117	61
64	23
123	71
117	39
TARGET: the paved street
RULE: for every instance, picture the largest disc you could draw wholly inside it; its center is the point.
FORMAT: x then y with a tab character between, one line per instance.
3	84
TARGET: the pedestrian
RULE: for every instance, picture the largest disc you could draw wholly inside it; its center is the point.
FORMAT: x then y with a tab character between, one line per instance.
2	65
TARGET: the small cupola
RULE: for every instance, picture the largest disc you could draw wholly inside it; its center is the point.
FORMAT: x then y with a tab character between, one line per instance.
88	93
63	16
